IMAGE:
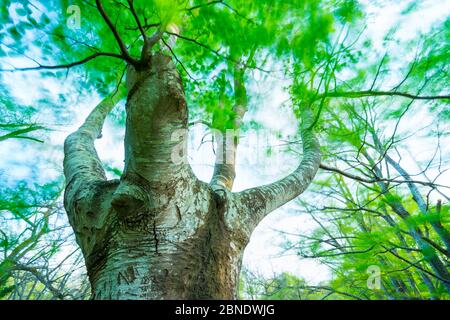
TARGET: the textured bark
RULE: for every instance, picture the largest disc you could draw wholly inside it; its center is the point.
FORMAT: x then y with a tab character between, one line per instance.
159	232
227	140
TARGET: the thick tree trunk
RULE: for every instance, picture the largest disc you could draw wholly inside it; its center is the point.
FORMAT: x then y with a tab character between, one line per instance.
183	250
159	232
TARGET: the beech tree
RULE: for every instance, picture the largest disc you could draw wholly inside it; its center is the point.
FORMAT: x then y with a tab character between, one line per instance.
159	232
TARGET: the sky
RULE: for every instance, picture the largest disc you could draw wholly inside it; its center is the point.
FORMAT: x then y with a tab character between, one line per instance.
43	162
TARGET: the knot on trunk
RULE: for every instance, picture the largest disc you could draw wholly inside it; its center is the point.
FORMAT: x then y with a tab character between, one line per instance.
131	195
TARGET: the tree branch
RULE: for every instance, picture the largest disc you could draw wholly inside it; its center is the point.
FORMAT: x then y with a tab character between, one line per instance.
264	199
216	52
138	22
443	233
18	134
111	26
332	290
427	251
178	60
366	180
223	3
225	162
42	279
204	5
80	157
372	93
68	65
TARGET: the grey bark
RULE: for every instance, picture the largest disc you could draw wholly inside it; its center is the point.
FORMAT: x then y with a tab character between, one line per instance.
159	232
227	140
400	289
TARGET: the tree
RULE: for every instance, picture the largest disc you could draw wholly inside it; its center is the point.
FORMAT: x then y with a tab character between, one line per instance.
159	232
375	215
31	235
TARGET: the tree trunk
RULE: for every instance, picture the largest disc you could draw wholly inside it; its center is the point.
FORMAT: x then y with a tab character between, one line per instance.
159	232
182	250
